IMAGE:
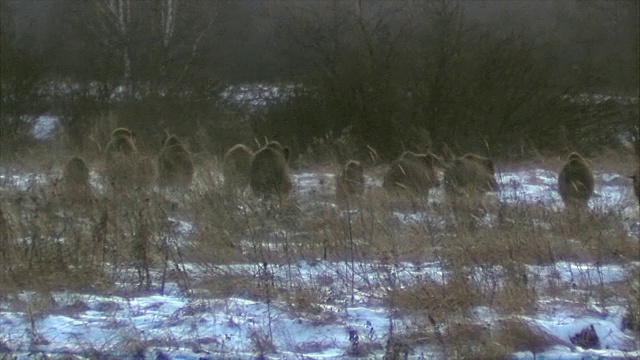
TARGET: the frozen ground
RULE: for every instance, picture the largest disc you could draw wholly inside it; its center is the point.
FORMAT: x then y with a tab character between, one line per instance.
202	327
196	328
199	326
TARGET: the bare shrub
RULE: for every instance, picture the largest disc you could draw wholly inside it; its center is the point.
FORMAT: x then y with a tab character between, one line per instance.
466	340
8	237
517	335
262	344
631	293
359	345
431	298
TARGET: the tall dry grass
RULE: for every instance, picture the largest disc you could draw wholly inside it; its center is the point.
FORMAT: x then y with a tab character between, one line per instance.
128	241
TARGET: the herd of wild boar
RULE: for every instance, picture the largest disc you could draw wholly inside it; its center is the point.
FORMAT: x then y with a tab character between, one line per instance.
266	172
126	168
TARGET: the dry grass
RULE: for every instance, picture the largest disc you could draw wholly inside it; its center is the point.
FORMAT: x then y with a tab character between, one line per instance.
432	299
631	293
622	161
518	335
473	341
124	242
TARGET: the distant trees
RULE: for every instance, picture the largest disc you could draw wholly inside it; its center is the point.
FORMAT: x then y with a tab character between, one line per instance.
21	73
407	74
147	60
411	75
152	52
414	74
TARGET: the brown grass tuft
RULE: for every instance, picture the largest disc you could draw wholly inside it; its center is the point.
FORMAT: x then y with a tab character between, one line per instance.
518	335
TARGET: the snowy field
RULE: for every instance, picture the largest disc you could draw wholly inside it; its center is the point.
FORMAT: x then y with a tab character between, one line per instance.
197	328
176	324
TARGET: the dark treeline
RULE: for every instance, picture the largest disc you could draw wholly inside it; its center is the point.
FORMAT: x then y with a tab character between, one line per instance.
486	76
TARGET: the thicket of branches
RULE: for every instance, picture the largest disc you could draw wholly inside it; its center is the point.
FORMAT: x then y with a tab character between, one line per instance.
479	76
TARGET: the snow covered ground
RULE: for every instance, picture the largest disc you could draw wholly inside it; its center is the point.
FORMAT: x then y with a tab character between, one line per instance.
195	328
177	325
45	127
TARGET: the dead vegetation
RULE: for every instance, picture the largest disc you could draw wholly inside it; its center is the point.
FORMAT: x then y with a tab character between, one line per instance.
139	239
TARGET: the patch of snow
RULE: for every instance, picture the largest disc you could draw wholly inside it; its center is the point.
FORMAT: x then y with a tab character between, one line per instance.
586	99
535	186
562	321
21	181
181	327
174	323
224	326
313	185
579	274
259	95
181	228
538	186
45	127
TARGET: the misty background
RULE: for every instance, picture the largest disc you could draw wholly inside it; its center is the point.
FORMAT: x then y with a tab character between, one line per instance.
501	78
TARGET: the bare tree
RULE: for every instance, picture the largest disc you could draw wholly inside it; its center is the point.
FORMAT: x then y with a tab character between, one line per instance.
118	13
21	76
